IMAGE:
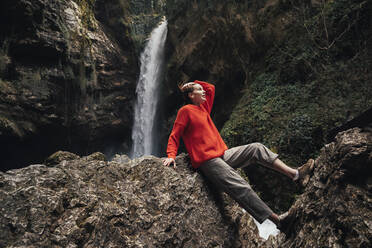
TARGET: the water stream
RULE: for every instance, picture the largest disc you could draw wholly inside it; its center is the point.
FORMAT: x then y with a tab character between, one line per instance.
147	91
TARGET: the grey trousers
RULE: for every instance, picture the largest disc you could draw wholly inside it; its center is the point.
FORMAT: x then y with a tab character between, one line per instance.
221	171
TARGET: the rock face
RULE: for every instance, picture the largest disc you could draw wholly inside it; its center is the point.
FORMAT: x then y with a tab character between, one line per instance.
66	82
89	202
210	41
130	20
335	209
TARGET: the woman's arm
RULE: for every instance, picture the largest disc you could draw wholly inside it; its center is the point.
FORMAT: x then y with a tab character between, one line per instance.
209	94
174	139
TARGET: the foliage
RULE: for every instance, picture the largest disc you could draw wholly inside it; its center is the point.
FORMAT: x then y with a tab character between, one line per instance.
313	79
298	137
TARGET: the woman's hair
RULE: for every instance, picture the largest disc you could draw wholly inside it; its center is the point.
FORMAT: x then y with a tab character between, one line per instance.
186	90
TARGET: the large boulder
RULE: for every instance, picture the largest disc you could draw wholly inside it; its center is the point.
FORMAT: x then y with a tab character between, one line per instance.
87	202
335	209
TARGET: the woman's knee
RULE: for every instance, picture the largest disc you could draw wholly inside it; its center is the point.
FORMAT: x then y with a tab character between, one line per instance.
259	151
257	146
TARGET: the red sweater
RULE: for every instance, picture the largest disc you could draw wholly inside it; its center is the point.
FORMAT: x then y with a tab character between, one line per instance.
194	124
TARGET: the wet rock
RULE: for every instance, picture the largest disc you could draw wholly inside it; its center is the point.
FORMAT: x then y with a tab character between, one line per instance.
86	202
130	20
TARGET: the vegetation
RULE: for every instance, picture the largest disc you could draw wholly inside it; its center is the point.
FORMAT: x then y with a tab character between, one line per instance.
87	13
314	79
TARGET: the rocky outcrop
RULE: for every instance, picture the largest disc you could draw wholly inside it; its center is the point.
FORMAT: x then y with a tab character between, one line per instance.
335	209
65	81
89	202
364	121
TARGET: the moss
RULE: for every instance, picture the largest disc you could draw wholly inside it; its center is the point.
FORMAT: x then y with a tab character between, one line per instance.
79	73
89	23
87	14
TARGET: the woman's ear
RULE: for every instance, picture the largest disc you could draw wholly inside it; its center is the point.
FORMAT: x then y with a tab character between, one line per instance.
191	95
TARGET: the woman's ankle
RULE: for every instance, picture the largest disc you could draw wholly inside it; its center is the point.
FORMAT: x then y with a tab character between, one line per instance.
274	218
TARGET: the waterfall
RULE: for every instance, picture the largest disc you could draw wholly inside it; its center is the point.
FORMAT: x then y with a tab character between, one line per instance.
148	92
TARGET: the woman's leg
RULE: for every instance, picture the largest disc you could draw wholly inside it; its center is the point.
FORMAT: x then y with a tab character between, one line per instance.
281	167
245	155
229	180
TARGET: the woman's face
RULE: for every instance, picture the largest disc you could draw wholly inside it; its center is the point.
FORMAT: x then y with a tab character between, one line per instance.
198	95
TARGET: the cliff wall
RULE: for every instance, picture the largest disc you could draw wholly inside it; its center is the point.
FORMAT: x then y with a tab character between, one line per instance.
68	71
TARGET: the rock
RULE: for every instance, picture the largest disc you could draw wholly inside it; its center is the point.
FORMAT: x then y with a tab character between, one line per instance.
97	156
364	121
86	202
65	82
130	21
59	156
121	158
89	202
335	209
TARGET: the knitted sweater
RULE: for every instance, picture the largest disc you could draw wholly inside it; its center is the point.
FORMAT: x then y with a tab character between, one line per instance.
194	124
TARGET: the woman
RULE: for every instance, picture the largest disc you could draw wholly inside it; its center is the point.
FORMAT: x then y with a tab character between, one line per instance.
210	155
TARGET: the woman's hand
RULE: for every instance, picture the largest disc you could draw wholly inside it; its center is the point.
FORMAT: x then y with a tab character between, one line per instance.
169	161
187	85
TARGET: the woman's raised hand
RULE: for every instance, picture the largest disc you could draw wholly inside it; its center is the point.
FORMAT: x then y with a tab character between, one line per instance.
186	86
169	161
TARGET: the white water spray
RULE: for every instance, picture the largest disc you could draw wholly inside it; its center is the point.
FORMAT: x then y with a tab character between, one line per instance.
148	92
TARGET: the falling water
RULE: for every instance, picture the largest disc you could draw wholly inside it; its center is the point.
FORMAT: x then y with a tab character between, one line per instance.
148	92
